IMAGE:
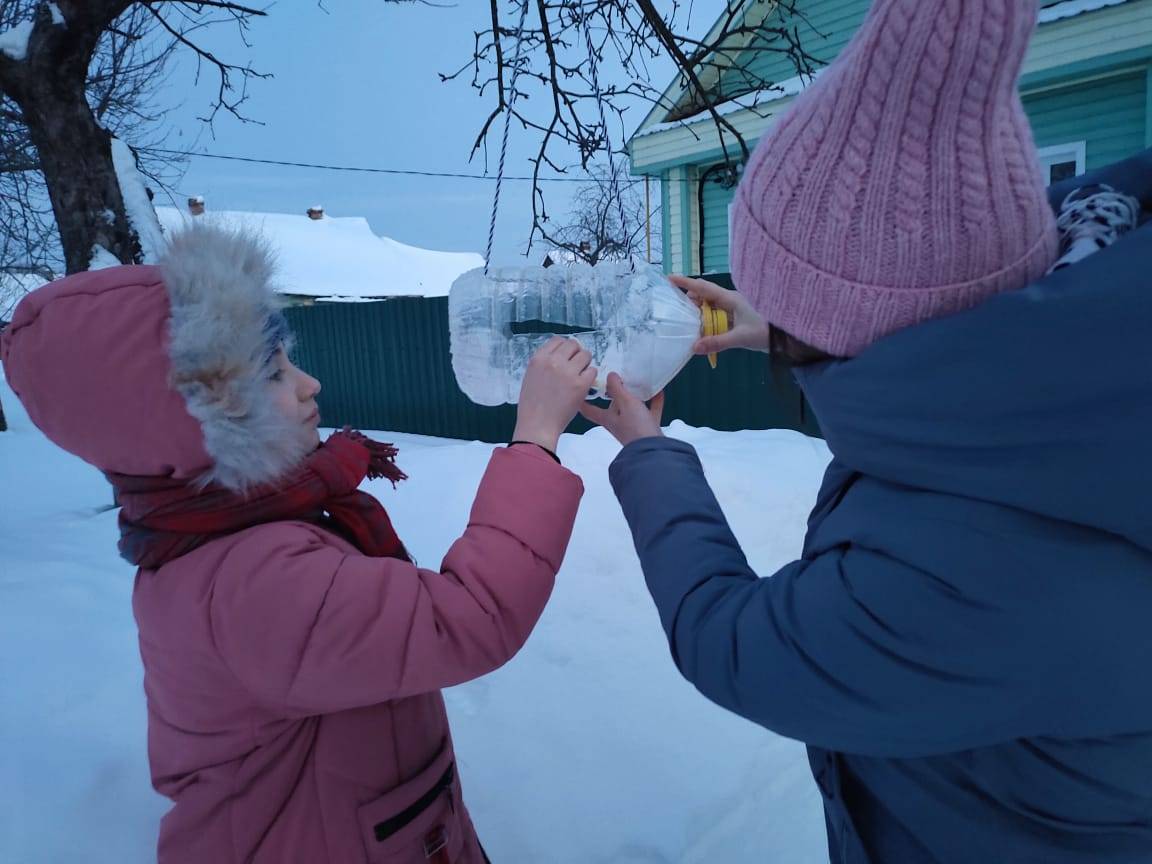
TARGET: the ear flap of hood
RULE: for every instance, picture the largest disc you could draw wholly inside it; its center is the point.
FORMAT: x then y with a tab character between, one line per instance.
225	326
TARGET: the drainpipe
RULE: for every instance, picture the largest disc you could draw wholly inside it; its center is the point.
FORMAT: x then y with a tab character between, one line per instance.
731	179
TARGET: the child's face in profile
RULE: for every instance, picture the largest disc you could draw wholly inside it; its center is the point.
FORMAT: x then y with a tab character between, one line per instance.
294	394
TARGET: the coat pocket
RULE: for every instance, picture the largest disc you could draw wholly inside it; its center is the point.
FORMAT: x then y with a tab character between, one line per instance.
419	821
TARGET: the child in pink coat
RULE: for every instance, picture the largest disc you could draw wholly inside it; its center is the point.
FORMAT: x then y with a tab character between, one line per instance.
293	653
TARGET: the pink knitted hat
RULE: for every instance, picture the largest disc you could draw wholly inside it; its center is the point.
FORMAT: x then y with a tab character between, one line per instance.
903	184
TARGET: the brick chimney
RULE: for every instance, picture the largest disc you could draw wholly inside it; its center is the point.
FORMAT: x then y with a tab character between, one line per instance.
196	205
316	211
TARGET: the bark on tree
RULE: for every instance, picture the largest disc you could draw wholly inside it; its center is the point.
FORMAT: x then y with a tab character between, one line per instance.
76	158
75	152
50	86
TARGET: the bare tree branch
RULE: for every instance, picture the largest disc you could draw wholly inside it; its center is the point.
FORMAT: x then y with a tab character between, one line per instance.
198	6
568	40
607	219
125	70
230	96
80	83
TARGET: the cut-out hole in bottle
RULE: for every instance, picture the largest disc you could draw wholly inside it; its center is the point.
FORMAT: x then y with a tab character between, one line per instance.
538	327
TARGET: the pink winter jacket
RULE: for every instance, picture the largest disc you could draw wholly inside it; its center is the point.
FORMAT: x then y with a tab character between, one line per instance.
292	683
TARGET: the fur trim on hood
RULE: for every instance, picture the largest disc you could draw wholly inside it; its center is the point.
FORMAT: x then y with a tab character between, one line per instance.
224	328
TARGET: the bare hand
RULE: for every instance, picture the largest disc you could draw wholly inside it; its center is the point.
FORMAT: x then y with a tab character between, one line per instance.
556	384
749	330
627	418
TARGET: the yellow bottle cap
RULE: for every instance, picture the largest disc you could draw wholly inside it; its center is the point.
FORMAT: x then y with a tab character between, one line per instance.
715	322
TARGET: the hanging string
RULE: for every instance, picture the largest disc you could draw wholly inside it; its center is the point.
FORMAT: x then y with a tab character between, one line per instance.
504	140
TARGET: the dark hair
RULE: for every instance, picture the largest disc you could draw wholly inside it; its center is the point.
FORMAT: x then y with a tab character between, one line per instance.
277	333
790	351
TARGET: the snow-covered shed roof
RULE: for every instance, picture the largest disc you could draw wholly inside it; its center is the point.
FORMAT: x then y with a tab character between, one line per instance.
340	258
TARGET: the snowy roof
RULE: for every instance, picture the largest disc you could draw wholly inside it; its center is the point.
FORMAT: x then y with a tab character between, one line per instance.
745	102
1055	10
341	258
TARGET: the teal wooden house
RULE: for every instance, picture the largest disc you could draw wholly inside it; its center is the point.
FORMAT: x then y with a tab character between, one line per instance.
1087	88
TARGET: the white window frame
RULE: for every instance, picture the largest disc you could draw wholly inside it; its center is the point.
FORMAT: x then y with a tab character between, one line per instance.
1060	153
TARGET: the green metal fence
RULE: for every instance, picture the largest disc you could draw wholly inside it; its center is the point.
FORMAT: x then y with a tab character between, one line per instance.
387	366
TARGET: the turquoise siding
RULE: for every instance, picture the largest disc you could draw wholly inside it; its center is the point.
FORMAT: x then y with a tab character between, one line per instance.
666	238
1111	115
716	201
823	27
1148	108
685	224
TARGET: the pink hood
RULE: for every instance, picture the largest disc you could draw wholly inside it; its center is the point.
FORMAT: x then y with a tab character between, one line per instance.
159	371
87	357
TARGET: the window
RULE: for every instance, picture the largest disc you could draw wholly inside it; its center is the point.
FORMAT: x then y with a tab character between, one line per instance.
1062	161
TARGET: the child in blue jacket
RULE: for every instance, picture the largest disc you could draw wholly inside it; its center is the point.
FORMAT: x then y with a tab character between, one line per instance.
965	642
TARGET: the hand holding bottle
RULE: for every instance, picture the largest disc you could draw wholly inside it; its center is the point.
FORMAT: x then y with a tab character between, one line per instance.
555	385
748	329
627	418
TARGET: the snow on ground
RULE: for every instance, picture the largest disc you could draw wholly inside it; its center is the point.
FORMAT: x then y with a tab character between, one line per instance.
587	748
340	256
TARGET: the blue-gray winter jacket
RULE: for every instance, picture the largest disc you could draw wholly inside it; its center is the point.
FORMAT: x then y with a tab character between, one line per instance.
966	643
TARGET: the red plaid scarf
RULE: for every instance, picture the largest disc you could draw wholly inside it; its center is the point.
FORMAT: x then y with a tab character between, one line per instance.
162	519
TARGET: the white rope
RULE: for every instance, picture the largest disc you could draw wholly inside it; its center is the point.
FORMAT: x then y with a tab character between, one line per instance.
507	122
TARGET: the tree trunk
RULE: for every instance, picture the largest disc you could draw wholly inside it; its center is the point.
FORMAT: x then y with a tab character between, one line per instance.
75	152
76	158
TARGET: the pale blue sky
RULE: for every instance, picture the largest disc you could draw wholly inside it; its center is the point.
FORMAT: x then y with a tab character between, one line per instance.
359	85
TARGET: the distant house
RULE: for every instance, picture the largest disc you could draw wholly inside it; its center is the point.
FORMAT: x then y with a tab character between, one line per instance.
327	259
1087	87
564	257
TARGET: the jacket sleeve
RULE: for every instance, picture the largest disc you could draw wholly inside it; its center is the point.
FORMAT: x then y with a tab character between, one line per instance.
307	628
853	651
